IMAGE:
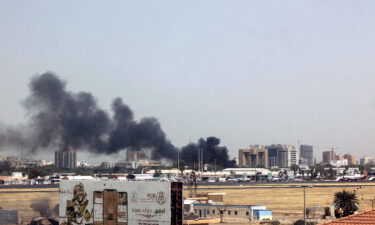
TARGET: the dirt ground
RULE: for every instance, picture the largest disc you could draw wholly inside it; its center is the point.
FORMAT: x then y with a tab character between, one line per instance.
285	200
21	200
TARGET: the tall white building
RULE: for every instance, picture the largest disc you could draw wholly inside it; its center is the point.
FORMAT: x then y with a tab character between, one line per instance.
367	160
287	156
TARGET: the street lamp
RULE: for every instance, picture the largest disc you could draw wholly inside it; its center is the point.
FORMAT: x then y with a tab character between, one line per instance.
304	200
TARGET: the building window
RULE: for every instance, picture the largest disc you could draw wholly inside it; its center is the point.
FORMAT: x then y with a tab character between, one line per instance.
208	212
229	212
235	213
221	212
213	211
247	213
195	211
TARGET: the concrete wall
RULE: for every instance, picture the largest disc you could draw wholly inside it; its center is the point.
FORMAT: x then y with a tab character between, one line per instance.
8	217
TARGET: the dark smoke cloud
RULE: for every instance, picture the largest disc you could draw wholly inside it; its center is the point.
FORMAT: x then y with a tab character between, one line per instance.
42	206
60	119
211	152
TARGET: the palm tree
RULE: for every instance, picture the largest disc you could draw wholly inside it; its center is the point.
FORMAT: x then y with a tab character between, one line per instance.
346	203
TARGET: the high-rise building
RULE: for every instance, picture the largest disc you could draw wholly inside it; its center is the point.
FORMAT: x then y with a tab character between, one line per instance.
66	158
306	154
282	156
294	156
287	156
272	155
329	156
254	156
352	160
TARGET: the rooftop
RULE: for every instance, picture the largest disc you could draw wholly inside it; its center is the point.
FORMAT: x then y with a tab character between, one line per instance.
365	218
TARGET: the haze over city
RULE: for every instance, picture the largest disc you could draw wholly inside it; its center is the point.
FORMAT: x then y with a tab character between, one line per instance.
245	72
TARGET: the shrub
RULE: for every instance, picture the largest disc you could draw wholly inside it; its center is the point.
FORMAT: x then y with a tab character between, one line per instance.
302	222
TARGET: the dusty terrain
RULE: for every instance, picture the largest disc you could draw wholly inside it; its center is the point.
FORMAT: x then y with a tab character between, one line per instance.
21	200
286	200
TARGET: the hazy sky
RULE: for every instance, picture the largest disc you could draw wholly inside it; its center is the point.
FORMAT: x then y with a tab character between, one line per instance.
248	72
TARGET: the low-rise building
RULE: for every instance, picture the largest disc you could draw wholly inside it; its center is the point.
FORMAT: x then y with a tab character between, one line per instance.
232	212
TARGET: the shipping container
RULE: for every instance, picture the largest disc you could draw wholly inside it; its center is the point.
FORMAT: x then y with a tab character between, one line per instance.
98	202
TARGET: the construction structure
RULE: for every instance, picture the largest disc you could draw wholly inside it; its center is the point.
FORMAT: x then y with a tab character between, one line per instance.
101	202
254	156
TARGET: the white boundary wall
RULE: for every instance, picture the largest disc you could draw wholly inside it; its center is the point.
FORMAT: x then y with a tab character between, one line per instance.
148	203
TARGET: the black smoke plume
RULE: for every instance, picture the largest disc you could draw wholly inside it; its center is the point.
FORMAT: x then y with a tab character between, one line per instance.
211	152
42	206
60	119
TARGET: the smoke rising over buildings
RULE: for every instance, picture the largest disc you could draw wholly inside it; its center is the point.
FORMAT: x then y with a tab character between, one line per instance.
61	119
212	153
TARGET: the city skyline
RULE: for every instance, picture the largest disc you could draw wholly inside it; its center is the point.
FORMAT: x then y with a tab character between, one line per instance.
243	72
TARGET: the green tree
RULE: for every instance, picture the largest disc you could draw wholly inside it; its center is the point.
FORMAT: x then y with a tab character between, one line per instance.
34	173
346	203
294	168
157	173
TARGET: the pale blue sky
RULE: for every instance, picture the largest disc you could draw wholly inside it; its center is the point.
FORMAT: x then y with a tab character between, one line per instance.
248	72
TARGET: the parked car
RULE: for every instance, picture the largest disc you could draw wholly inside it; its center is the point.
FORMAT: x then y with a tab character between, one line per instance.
232	180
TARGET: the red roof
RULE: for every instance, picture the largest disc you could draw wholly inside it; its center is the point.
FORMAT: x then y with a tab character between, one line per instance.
365	218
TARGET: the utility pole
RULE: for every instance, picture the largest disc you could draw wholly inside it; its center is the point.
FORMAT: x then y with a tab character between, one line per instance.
304	200
304	204
178	161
